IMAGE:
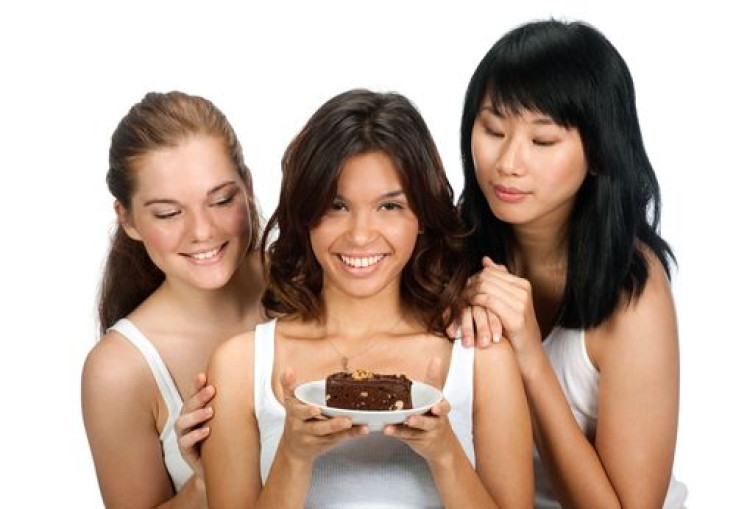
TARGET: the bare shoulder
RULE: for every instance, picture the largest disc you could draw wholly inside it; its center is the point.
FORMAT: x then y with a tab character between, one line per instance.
232	361
646	323
239	347
115	366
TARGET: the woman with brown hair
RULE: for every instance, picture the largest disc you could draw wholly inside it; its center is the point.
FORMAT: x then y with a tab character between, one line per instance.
366	272
182	275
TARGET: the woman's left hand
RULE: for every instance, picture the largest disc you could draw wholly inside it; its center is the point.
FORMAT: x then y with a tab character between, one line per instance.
509	297
427	434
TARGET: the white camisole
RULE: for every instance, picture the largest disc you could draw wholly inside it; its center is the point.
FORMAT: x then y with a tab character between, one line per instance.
578	378
179	470
373	471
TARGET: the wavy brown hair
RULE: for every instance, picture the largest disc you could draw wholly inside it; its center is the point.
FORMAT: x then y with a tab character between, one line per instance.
352	123
160	120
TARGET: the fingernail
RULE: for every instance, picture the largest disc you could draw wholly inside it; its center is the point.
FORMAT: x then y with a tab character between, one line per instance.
208	410
485	341
496	337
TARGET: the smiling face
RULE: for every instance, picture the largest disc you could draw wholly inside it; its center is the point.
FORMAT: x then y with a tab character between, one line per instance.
190	210
366	237
528	167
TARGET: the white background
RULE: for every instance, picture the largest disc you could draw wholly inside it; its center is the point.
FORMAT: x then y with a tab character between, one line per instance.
70	71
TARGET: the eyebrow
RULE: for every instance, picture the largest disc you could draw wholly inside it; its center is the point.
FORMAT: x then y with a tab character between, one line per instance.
169	201
543	120
390	194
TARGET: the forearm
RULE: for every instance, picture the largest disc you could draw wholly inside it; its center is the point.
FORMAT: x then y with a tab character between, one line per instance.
191	496
287	484
457	482
571	461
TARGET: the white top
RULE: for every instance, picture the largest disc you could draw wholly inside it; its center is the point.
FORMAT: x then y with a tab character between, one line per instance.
372	471
578	378
178	469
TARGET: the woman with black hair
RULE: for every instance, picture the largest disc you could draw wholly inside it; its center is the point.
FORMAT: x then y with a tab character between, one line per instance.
564	208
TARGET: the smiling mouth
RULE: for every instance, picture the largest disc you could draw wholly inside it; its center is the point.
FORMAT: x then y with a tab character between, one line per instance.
360	262
206	255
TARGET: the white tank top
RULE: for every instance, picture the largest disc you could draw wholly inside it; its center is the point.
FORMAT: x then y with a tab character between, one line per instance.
578	378
373	471
178	469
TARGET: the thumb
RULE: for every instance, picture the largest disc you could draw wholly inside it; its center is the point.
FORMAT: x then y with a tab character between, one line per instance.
488	263
434	373
199	382
288	382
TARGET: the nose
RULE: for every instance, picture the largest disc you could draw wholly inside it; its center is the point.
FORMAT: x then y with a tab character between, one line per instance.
511	157
361	228
202	228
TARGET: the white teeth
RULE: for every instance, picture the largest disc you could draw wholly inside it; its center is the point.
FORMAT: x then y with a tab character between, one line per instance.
206	255
360	262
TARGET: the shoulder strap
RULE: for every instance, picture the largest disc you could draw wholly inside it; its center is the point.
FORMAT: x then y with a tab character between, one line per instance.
460	373
160	373
264	338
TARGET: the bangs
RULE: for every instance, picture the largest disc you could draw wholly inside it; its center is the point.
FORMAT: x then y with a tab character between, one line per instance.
549	79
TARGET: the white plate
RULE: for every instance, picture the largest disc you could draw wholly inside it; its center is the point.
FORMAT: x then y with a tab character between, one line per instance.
423	398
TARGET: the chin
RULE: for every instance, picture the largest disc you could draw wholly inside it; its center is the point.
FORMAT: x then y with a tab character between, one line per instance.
213	281
509	215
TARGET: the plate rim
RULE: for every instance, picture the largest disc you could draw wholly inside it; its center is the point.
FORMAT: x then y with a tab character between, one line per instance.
368	413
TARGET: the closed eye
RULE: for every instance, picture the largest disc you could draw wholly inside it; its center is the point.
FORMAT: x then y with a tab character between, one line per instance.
544	143
492	132
166	215
224	201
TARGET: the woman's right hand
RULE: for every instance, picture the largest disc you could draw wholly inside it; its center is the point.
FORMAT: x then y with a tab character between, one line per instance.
308	433
191	425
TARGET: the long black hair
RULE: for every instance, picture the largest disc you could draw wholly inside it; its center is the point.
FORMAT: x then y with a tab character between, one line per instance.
573	74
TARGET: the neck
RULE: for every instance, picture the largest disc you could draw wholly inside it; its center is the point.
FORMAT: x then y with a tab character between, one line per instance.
220	308
358	318
540	256
539	248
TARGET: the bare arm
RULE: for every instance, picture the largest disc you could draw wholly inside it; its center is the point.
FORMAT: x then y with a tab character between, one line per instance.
634	446
629	464
119	404
502	438
232	452
230	455
502	428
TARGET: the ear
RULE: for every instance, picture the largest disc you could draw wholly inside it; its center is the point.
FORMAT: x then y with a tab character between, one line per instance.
126	221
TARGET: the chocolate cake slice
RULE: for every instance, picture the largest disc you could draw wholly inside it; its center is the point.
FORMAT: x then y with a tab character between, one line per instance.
363	390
